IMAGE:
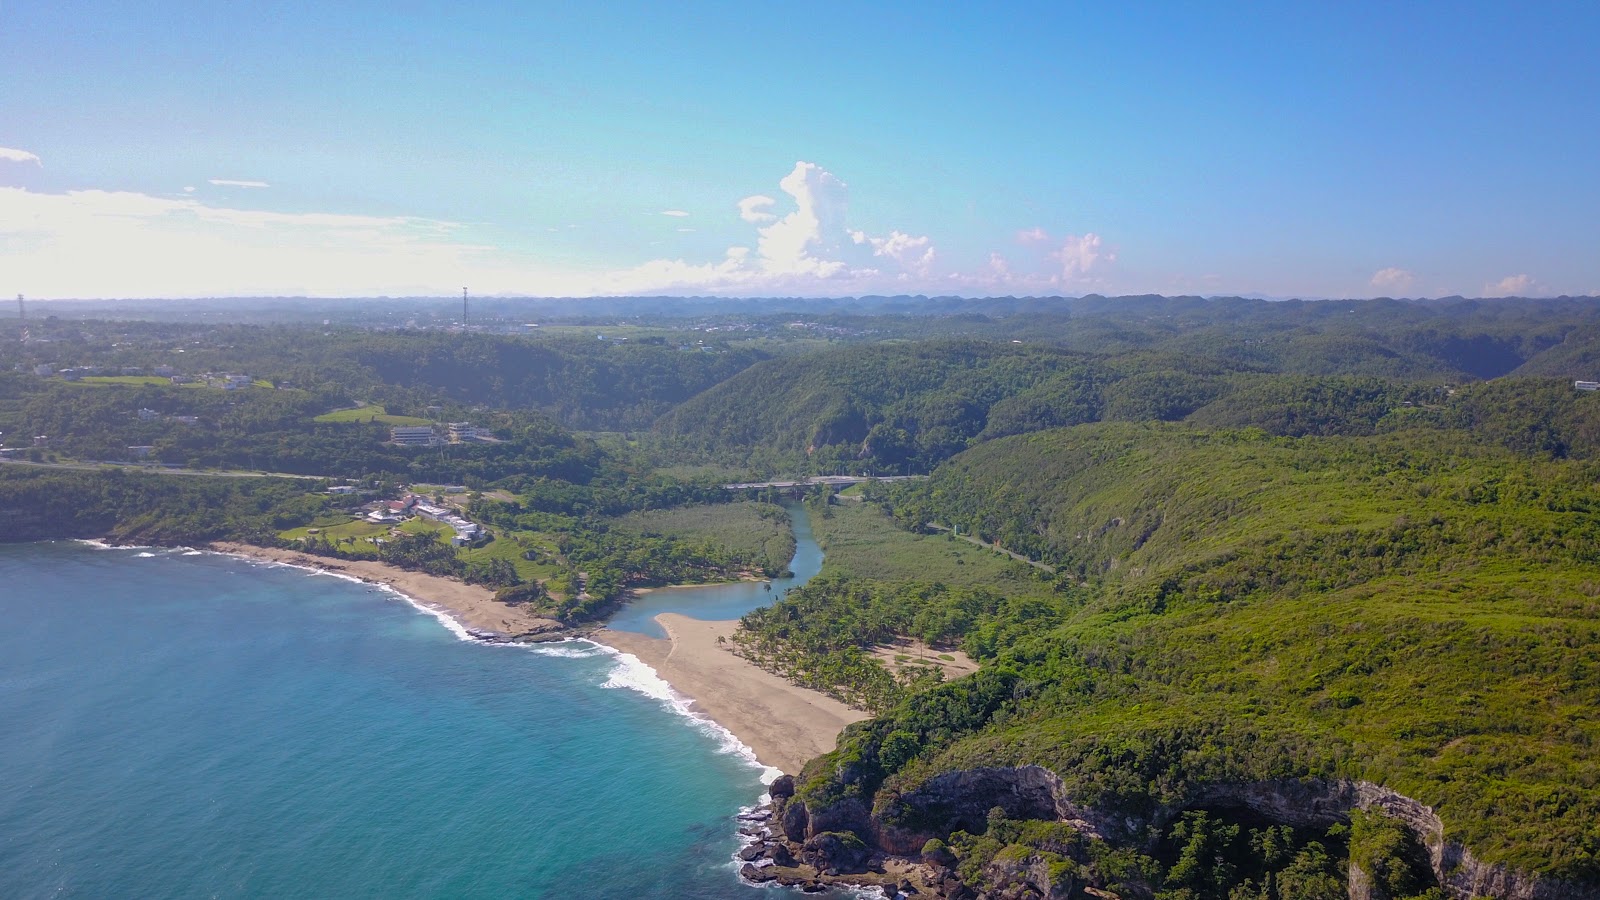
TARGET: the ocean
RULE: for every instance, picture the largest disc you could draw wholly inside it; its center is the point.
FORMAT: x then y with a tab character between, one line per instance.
179	724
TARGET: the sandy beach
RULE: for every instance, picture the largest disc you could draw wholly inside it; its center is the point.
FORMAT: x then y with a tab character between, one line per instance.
784	724
474	606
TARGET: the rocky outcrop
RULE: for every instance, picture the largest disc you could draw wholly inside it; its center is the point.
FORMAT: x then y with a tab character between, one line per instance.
835	852
961	801
1319	803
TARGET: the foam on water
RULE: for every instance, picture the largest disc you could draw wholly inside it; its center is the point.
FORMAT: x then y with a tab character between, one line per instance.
633	675
344	712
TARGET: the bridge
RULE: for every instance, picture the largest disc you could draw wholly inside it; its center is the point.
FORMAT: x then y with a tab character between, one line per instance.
816	480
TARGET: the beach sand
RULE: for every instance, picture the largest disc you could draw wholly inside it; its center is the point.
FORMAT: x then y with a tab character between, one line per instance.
474	606
784	724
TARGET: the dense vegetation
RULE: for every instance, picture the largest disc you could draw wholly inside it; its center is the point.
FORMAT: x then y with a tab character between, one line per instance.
1348	540
1416	609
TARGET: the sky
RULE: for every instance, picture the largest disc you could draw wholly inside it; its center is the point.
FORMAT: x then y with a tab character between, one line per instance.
192	149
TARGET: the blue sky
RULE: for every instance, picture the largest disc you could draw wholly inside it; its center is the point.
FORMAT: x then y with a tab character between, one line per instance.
198	149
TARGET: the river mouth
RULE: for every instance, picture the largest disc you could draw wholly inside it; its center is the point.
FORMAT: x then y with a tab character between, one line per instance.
720	602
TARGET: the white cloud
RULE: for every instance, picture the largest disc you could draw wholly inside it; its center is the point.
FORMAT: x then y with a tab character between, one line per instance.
754	209
804	241
98	243
914	254
1393	279
231	182
674	212
1513	286
1078	255
811	250
18	156
188	189
124	244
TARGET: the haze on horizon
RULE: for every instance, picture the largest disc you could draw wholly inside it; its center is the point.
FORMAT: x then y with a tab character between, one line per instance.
185	149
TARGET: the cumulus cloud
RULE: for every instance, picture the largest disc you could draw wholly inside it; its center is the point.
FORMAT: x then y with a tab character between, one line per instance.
1078	255
804	241
1512	286
914	254
799	243
8	154
754	209
678	213
1393	279
804	245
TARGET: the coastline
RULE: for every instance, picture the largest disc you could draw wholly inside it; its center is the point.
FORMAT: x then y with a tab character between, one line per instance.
785	725
472	606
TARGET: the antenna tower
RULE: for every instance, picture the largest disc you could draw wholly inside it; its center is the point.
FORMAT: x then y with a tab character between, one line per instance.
463	307
22	318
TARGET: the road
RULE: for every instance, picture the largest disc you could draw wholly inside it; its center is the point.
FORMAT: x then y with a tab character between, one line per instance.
996	547
158	470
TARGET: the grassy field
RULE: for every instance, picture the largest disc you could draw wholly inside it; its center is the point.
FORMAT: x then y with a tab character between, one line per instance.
124	379
338	528
758	531
364	414
861	542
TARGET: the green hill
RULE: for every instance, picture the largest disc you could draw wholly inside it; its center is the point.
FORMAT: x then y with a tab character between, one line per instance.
1417	611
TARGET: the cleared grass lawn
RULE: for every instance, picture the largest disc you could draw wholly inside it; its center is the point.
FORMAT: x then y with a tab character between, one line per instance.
124	379
365	414
336	529
756	531
858	540
510	547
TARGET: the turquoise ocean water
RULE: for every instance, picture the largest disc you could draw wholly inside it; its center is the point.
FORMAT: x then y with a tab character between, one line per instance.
175	724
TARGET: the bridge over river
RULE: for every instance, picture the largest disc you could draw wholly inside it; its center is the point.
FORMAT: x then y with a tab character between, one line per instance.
815	480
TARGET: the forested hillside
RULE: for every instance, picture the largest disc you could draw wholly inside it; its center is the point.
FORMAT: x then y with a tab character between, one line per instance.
1416	610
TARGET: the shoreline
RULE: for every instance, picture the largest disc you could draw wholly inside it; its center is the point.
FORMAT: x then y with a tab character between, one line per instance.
782	724
472	607
785	725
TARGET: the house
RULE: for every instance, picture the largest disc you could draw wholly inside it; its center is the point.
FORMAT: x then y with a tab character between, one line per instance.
164	371
43	371
341	489
148	415
236	382
1587	385
187	420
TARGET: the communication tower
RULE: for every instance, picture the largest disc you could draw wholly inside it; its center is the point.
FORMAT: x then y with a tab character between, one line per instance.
22	318
463	308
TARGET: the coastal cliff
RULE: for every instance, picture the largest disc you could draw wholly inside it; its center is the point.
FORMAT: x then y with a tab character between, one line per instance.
900	844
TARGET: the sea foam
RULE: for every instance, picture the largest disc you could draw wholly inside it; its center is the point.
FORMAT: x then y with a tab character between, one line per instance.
632	674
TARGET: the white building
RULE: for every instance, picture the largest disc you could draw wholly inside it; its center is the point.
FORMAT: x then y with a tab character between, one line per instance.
414	435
